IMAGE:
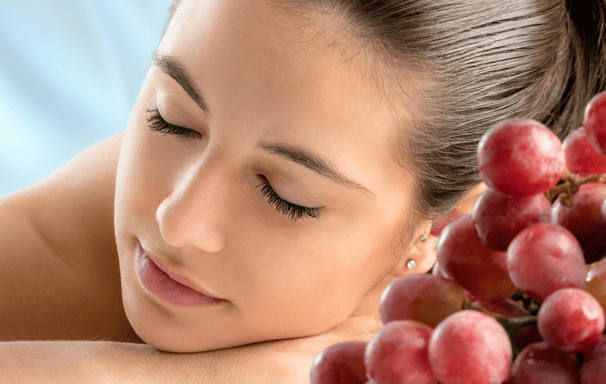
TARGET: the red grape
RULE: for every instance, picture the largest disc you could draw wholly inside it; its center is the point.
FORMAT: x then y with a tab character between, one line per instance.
593	370
594	122
462	257
584	219
470	347
424	298
540	363
544	258
499	217
581	157
571	320
397	354
520	157
341	363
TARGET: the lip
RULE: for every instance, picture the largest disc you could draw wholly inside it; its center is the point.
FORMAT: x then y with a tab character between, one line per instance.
170	286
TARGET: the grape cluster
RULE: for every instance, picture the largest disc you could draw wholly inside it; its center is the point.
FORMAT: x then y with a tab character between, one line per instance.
518	291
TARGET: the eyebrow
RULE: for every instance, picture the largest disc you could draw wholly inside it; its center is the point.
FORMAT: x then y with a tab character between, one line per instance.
175	69
314	162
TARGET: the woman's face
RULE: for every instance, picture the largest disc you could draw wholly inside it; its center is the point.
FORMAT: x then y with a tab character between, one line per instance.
282	109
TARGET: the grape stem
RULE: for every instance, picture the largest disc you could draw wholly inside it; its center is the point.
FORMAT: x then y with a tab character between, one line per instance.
565	191
529	304
510	324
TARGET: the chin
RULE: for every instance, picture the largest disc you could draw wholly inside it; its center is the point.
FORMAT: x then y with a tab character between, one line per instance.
180	342
166	332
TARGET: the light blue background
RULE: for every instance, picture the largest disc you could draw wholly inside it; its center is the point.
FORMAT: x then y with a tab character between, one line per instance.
70	72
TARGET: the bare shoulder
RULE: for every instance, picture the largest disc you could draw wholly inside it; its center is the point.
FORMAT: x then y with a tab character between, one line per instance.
60	266
73	208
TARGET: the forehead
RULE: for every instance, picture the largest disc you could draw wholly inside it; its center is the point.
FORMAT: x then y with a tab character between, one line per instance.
257	64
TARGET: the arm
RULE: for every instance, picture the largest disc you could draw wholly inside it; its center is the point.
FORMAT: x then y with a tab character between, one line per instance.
65	362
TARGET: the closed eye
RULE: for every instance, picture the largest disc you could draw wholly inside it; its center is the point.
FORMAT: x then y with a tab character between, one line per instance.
294	211
158	124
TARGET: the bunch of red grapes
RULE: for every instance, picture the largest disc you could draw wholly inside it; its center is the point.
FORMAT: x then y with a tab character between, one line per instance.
518	291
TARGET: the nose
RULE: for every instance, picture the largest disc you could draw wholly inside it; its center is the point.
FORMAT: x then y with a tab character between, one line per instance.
194	213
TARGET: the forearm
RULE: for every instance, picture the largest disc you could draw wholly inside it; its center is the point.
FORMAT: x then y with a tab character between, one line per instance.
75	362
66	362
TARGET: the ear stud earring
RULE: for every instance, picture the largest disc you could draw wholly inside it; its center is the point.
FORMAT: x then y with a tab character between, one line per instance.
411	263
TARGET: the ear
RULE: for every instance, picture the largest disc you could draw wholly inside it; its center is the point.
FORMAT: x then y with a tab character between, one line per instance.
424	252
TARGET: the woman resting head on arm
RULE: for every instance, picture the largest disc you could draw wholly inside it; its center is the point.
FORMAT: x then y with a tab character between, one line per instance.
298	150
285	157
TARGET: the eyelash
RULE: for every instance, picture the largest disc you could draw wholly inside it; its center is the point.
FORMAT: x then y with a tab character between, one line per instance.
294	211
158	124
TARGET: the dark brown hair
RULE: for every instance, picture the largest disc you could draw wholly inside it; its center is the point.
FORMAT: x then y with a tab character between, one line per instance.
476	63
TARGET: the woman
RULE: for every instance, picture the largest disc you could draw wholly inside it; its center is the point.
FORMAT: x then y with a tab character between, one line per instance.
286	160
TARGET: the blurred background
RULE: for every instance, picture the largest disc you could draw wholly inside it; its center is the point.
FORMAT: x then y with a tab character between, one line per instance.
70	72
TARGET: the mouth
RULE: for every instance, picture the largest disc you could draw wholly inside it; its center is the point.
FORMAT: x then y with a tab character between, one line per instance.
170	286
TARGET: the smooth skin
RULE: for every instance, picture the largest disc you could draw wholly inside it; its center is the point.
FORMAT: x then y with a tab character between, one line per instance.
69	242
57	290
195	203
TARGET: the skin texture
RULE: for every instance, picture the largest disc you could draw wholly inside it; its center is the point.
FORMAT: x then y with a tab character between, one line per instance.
192	202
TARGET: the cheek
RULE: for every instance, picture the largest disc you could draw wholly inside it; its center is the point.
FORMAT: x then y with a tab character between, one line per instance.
144	172
314	281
